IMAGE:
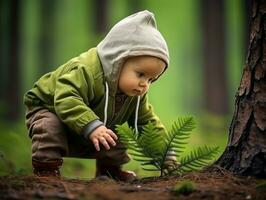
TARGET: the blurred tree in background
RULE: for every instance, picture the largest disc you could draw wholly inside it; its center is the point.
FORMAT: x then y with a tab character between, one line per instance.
101	16
10	52
214	64
47	41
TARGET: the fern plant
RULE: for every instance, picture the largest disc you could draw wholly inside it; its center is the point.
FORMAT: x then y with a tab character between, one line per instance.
152	149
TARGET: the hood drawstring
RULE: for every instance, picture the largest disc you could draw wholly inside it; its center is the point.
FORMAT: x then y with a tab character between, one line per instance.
106	108
136	115
106	103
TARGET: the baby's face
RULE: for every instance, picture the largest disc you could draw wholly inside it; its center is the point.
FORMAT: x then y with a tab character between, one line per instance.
138	73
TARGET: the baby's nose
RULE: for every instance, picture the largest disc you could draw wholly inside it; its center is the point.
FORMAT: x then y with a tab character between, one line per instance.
144	83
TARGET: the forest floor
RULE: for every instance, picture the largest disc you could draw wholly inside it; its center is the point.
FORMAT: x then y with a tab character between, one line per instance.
207	185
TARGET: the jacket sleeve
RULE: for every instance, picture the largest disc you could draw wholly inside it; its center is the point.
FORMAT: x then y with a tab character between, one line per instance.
73	92
146	114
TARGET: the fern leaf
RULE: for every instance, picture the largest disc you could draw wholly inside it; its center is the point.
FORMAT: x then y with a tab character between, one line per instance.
154	170
128	137
137	154
151	140
197	159
151	148
175	139
143	147
142	160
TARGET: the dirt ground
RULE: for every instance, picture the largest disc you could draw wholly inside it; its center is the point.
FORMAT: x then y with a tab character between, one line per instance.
208	185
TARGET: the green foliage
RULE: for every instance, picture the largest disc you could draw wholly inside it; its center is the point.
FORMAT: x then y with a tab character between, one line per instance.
15	149
197	159
153	149
185	187
261	186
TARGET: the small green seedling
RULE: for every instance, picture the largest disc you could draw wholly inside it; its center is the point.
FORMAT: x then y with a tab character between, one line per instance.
152	148
185	187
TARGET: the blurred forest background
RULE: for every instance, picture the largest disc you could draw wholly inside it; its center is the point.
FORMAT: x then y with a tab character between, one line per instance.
207	40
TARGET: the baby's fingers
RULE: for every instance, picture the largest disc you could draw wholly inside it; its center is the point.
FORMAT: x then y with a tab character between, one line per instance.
104	143
96	144
110	140
112	134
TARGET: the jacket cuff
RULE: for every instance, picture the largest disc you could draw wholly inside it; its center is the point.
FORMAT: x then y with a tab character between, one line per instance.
90	127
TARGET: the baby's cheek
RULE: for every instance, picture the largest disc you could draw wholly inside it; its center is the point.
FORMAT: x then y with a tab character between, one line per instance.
146	89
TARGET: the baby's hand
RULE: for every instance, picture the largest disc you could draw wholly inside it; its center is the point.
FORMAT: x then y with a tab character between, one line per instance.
104	136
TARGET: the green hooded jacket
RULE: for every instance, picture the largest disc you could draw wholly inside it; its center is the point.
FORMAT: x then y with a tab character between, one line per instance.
83	88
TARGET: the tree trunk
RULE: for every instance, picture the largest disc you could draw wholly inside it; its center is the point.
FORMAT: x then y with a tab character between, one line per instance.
215	82
101	16
47	31
245	153
12	90
4	48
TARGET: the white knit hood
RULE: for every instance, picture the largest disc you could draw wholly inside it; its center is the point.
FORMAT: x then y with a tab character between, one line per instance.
135	35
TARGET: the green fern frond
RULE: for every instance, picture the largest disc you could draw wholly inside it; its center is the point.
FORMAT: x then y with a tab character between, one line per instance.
129	138
128	133
197	159
175	140
151	148
154	170
148	134
140	146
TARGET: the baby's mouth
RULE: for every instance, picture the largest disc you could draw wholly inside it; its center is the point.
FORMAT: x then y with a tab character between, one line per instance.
138	92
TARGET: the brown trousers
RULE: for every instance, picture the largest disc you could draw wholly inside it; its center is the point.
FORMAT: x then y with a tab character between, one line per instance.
52	140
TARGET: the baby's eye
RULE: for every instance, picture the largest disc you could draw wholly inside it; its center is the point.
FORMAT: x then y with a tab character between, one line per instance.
140	74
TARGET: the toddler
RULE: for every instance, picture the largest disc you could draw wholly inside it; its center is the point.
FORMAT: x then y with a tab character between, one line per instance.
72	111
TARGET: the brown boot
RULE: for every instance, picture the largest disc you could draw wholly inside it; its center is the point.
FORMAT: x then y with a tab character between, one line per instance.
115	172
47	169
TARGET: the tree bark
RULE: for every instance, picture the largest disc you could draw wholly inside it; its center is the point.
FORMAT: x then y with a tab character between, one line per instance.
245	153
